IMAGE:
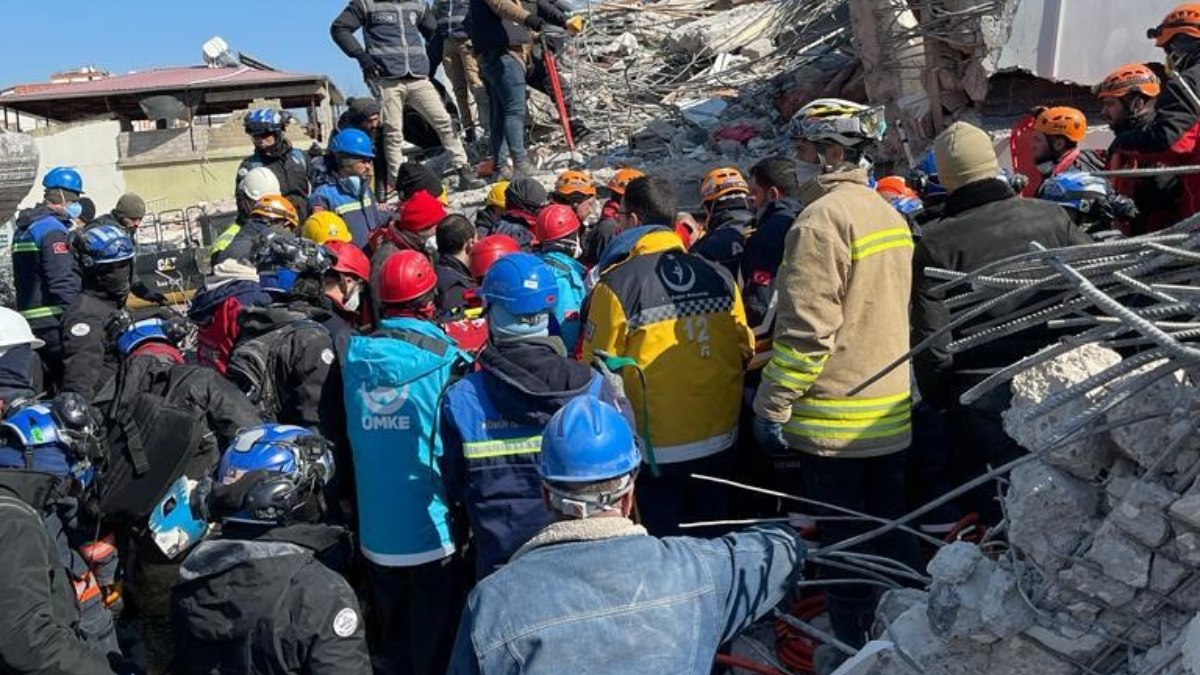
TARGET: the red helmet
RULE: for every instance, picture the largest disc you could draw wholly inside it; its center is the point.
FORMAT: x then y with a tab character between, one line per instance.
488	250
349	259
555	222
405	276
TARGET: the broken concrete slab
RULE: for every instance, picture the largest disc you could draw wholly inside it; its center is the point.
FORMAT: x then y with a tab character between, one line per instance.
1186	511
1049	512
727	31
1145	441
1140	513
1091	583
1120	557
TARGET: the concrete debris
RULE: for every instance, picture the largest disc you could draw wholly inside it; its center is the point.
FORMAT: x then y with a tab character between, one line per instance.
1050	512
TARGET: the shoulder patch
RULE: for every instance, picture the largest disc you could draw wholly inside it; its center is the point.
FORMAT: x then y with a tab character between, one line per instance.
327	357
80	330
345	623
60	248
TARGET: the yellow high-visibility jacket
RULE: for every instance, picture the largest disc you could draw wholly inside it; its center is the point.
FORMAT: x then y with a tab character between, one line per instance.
843	316
681	318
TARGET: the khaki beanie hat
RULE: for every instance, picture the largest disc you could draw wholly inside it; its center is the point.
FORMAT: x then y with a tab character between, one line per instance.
964	154
130	206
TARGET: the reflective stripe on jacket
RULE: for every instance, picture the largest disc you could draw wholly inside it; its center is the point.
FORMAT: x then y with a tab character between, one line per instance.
45	274
844	290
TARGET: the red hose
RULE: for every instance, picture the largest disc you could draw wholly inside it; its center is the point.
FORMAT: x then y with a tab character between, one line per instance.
794	648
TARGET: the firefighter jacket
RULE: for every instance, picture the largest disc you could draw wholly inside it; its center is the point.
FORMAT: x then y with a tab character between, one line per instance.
843	316
681	318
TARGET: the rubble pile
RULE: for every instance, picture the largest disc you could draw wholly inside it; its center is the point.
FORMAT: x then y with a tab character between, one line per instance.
1097	565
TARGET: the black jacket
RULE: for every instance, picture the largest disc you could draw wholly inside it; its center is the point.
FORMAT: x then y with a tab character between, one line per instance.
724	241
45	273
20	374
87	360
39	616
226	409
267	606
1173	114
486	219
983	222
242	246
454	281
761	261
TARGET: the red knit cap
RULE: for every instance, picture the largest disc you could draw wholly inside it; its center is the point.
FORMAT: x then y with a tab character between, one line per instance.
421	212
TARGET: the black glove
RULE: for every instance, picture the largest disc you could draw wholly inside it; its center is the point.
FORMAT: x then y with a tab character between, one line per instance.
370	67
1123	208
156	297
534	22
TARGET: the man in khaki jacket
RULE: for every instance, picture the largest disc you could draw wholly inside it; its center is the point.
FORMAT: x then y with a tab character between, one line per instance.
843	315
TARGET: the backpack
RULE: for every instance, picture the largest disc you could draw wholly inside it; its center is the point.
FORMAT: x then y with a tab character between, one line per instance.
215	342
252	365
150	441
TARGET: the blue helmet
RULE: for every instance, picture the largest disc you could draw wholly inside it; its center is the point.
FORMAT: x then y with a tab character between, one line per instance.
104	245
142	332
587	441
353	142
521	284
907	206
297	461
924	176
60	438
265	121
63	178
1076	190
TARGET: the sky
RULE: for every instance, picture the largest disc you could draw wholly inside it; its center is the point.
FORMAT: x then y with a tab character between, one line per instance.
125	35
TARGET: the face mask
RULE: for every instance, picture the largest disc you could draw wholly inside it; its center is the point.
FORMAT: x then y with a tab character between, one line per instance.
355	183
431	244
807	171
351	303
74	210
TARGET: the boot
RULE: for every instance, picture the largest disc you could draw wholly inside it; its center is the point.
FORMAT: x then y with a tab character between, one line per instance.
467	180
580	131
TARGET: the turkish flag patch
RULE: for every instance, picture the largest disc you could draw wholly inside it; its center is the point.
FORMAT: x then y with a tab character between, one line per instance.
60	248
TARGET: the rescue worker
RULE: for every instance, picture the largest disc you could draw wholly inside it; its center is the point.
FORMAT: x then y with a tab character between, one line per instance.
983	221
271	213
725	195
1056	149
20	368
127	215
680	318
50	450
364	114
394	61
414	228
346	288
394	379
599	235
105	254
523	199
462	67
500	33
492	210
456	287
1127	100
557	233
284	352
924	180
592	589
349	193
257	184
1091	203
492	420
487	251
324	227
45	273
259	599
774	192
577	190
273	150
843	289
232	286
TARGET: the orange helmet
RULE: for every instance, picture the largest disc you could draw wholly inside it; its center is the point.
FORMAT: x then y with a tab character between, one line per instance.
1062	121
1134	77
894	186
622	179
1183	20
276	207
572	182
723	181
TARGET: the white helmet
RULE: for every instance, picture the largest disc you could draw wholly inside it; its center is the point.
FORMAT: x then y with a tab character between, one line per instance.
14	330
258	183
838	120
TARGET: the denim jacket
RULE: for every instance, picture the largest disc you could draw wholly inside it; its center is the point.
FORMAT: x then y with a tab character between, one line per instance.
601	596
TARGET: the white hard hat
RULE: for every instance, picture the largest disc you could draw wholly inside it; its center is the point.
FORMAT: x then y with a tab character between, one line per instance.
14	330
259	182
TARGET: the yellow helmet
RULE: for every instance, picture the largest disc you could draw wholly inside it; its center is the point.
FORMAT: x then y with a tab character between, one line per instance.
495	196
326	226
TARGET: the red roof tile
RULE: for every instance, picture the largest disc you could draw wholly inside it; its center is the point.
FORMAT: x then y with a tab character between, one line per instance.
159	79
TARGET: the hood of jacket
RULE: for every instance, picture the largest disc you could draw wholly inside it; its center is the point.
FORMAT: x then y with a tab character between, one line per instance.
16	372
209	300
730	215
826	183
32	215
259	320
623	245
786	207
973	195
520	217
529	380
378	363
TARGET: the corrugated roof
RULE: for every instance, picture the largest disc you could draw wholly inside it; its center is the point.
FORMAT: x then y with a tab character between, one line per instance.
159	79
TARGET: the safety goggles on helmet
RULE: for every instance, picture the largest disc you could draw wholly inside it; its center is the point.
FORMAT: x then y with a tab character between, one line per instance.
265	122
296	462
173	524
842	122
63	437
1183	20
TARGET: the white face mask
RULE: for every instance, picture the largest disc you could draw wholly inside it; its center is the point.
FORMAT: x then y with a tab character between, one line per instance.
353	300
807	171
431	244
